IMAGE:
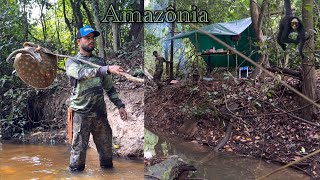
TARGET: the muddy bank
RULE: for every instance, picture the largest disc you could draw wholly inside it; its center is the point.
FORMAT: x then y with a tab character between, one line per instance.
200	112
128	135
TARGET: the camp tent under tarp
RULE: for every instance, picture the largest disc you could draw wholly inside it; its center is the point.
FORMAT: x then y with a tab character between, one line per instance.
238	34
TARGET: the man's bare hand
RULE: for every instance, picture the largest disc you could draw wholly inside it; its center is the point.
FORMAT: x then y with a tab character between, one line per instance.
123	113
115	69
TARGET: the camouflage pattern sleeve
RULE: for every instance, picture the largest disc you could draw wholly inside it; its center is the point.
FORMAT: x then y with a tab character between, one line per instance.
75	70
111	92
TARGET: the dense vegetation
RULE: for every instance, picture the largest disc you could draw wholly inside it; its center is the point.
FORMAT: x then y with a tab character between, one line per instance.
54	24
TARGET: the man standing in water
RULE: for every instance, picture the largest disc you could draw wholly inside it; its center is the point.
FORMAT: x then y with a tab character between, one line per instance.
159	69
88	108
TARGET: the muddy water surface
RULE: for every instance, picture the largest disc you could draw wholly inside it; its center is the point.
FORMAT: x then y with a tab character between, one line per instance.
215	166
51	162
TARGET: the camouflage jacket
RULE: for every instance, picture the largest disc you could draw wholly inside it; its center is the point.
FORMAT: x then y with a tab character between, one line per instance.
87	94
159	63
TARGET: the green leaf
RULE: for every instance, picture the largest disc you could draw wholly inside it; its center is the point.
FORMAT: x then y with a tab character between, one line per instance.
269	94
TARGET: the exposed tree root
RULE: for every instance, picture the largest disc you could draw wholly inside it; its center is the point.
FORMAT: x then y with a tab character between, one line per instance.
225	139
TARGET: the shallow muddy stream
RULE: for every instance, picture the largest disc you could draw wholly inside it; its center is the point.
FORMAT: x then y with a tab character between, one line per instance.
51	162
215	166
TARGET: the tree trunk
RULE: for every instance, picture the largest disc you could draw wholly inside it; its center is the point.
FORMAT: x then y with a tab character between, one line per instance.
171	46
25	19
57	27
257	23
308	77
90	19
43	20
308	69
115	30
95	8
77	13
66	20
179	62
166	53
137	28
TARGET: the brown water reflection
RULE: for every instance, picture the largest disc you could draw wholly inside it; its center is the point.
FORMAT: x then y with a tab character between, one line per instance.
51	162
215	166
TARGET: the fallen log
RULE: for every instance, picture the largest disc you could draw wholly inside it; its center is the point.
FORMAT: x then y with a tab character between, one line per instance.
286	71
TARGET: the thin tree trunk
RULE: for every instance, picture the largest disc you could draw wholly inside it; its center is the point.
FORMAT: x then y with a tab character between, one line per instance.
166	53
115	30
90	19
43	21
136	28
25	19
257	23
171	46
57	27
107	27
95	8
167	74
79	17
77	13
66	20
308	69
108	42
179	62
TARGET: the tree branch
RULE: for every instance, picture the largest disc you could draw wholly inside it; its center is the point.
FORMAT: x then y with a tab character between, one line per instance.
286	71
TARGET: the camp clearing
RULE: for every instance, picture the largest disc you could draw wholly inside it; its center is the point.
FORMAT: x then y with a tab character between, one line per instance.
157	16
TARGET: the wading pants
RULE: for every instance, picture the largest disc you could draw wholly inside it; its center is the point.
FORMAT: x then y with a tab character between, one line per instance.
102	136
157	78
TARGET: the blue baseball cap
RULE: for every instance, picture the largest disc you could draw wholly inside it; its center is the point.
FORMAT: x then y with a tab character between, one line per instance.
85	31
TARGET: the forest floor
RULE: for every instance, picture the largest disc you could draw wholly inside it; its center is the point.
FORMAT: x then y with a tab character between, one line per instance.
261	114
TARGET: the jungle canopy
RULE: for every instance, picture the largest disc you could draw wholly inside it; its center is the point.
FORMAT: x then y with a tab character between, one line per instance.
238	34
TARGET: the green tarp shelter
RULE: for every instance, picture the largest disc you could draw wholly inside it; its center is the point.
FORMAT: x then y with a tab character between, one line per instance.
238	34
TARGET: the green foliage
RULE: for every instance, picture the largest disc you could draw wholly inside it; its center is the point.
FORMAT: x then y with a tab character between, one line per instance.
18	26
44	23
155	34
151	39
196	64
14	106
270	29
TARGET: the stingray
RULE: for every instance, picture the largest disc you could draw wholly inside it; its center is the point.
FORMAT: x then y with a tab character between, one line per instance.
35	65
